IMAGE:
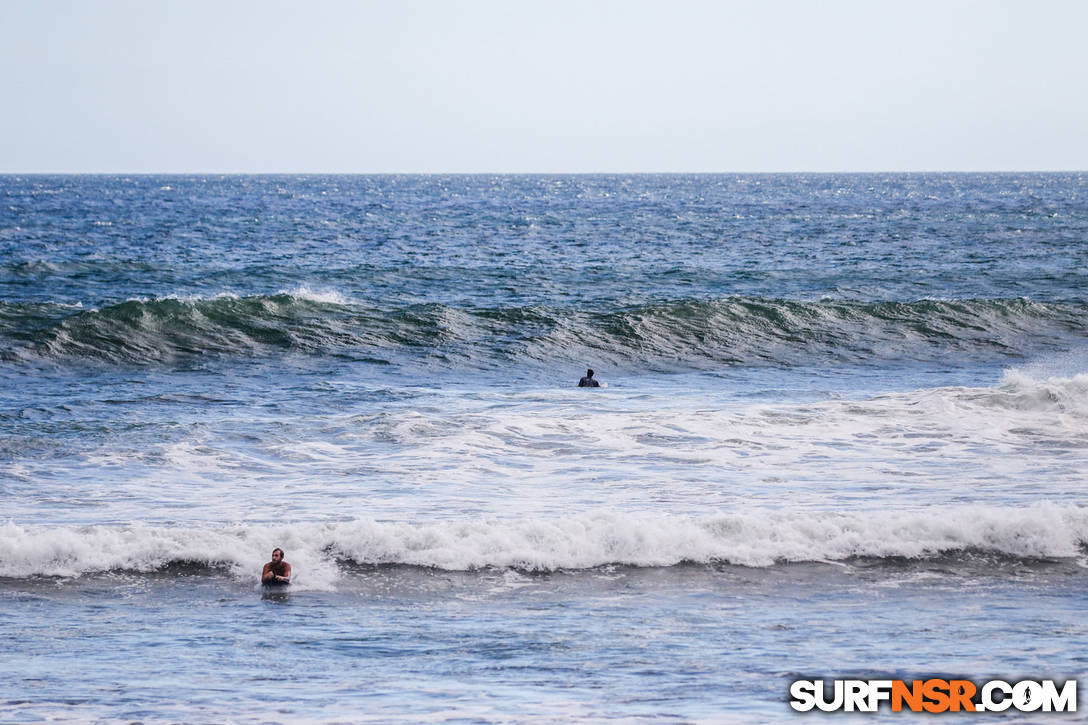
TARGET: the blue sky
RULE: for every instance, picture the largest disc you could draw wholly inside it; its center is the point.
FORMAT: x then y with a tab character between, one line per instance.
365	87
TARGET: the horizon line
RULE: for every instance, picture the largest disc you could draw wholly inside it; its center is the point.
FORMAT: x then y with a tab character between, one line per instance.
532	173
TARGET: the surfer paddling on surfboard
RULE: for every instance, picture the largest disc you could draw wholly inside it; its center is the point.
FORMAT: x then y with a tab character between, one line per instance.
276	571
588	381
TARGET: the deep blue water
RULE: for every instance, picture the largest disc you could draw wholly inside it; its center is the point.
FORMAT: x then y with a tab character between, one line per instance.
834	404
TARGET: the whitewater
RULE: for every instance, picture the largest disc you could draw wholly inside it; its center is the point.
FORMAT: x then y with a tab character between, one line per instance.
845	434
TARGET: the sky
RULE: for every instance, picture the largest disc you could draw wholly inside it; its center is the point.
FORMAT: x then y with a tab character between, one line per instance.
471	86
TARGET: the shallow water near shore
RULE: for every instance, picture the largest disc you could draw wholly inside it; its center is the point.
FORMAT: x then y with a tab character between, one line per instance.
676	643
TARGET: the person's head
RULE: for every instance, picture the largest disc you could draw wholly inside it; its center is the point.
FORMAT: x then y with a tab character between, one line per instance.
277	555
589	373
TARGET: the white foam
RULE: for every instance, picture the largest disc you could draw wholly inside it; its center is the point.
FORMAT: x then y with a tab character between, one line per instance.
194	299
302	293
71	551
753	539
921	443
189	299
756	538
326	296
1023	392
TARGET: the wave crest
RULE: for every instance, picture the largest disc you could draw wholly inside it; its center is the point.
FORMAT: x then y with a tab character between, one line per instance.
685	333
756	539
1020	391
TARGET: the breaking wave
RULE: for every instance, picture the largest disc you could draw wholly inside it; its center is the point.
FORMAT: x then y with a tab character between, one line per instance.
686	333
757	539
1021	392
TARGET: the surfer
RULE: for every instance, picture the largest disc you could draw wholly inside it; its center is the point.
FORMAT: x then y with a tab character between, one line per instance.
588	381
276	571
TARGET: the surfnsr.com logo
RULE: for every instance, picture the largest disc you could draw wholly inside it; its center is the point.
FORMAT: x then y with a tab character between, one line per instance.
933	695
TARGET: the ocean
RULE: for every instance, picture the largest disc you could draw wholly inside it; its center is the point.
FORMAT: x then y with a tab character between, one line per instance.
843	433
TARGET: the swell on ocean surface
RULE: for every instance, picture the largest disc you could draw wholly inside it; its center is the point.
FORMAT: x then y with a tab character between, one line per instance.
661	335
572	542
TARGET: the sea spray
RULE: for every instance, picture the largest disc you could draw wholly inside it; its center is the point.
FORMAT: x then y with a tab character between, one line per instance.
577	541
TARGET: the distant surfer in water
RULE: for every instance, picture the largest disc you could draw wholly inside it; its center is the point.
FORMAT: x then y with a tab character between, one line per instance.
276	571
588	381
